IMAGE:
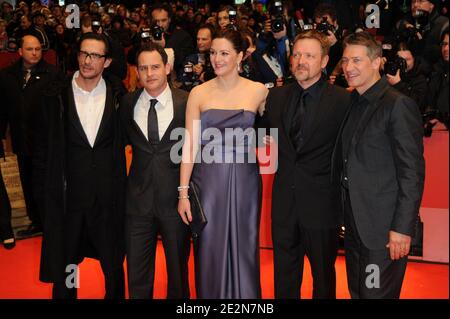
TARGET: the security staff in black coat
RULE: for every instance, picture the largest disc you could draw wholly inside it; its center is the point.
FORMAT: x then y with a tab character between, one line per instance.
305	204
79	168
149	117
380	156
21	87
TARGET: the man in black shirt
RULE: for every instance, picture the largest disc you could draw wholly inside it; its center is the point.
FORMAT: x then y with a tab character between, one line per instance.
381	151
305	214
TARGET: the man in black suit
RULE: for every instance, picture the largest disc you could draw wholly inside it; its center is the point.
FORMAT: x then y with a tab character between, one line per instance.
305	204
380	151
79	170
149	115
21	86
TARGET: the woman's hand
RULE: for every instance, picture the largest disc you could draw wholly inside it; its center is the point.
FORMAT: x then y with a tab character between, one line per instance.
184	209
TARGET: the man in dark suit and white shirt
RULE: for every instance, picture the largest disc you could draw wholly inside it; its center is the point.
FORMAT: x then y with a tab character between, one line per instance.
149	115
305	203
381	155
79	173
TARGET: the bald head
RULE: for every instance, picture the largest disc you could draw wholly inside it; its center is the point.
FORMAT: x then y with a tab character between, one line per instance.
30	51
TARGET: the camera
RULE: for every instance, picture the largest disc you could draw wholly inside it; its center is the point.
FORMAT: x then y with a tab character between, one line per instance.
277	11
146	34
428	125
232	15
157	32
393	64
393	61
324	26
95	25
189	76
407	34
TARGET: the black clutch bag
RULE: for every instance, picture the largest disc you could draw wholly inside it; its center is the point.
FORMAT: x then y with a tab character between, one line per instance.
198	215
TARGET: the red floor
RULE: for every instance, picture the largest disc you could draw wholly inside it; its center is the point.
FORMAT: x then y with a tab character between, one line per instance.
19	269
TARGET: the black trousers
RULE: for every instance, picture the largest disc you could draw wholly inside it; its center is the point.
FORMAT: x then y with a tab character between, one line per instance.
291	242
371	274
90	232
141	238
25	170
6	231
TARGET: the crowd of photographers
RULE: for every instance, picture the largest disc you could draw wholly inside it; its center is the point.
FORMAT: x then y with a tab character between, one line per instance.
414	34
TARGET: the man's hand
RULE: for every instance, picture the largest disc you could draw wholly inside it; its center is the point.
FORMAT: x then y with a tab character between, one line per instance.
394	79
198	69
398	245
161	42
331	38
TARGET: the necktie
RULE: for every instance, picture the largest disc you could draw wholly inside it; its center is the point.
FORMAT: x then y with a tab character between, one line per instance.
27	77
152	123
298	122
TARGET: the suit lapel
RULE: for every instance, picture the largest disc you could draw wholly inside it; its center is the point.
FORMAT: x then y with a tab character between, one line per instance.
107	111
177	109
287	111
133	124
74	119
366	117
317	113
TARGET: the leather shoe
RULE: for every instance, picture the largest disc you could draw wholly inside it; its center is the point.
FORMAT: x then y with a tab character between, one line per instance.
9	243
32	230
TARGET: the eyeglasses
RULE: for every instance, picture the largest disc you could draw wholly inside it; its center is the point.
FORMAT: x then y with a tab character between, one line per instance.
94	56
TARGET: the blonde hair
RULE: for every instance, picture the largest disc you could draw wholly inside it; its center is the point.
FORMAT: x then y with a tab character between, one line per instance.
315	35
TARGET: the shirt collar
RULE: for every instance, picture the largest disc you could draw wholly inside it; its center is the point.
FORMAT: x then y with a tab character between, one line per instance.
101	85
373	91
163	98
315	89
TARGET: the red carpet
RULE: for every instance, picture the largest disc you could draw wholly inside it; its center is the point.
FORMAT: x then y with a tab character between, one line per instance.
19	270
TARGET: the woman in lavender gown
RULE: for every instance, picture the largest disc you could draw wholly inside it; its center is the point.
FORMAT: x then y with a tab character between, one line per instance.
226	174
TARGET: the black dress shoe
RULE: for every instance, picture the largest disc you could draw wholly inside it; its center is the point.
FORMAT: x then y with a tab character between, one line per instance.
9	243
31	231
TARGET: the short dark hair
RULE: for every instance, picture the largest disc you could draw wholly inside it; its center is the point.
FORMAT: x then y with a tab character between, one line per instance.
97	37
364	38
151	47
325	9
444	33
236	39
161	6
210	27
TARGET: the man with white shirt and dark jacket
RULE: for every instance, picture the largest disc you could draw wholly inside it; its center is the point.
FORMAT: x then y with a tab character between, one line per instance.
79	170
149	116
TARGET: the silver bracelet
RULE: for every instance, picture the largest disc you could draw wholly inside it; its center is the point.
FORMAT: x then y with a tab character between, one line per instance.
182	187
183	197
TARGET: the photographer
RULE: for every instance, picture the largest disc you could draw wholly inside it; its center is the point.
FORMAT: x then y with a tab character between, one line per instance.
197	67
273	48
325	17
438	89
427	25
171	37
223	16
408	76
